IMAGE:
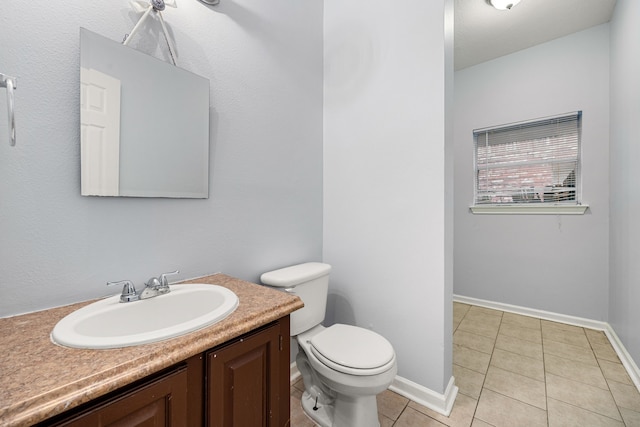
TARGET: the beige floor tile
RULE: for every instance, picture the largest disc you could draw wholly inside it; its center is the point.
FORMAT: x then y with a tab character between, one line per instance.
471	326
572	352
457	304
474	341
502	411
516	386
460	308
564	336
519	320
605	352
481	312
519	346
412	418
557	325
459	311
298	417
472	359
484	310
461	413
521	332
576	371
625	395
564	415
469	382
596	337
483	316
455	325
582	395
549	324
296	392
384	421
481	324
480	423
299	384
614	371
631	418
523	365
391	404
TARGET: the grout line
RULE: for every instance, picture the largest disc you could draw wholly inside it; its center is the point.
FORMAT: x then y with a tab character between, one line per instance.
627	361
402	412
545	380
484	379
606	381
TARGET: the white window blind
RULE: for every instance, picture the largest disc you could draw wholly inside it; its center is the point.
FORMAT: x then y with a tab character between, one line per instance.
536	161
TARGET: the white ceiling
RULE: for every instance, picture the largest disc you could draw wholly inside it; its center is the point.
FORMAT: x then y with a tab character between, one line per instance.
483	33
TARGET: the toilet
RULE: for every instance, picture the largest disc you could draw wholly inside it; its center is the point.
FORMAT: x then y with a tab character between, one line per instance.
343	367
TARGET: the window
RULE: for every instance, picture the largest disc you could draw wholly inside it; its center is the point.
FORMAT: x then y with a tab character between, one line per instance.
526	163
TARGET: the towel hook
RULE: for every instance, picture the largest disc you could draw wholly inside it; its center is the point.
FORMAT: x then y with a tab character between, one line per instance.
10	83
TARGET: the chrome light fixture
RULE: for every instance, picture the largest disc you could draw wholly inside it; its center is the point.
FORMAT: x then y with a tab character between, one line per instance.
503	4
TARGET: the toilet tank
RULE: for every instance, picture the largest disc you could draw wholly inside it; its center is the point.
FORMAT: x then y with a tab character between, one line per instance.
310	282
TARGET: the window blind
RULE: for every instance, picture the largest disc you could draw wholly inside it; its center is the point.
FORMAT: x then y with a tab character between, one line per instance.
536	161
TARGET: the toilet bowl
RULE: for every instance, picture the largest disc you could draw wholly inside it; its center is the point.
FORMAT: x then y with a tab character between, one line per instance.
349	390
343	367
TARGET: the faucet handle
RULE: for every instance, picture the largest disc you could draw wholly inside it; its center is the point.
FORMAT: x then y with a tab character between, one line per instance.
128	290
153	283
163	277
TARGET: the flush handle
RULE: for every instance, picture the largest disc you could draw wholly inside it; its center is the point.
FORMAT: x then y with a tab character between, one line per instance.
11	83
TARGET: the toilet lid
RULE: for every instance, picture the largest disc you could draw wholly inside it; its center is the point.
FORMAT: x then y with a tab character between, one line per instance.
352	347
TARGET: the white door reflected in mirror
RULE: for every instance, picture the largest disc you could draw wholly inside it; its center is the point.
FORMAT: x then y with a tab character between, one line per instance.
100	133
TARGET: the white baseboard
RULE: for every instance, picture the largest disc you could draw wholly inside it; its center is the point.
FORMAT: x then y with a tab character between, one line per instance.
626	359
621	351
441	403
532	312
294	373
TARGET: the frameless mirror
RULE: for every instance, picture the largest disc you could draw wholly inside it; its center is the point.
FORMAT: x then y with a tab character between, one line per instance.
144	124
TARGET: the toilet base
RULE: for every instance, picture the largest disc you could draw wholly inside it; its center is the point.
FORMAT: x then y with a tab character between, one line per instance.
322	415
346	411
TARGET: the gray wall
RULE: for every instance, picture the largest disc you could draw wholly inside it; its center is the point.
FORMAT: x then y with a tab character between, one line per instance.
387	230
548	262
264	60
624	315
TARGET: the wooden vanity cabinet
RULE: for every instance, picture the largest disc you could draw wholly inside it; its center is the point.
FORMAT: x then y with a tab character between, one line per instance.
161	401
245	380
241	383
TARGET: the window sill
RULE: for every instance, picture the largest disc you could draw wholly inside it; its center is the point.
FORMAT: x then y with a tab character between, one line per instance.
528	209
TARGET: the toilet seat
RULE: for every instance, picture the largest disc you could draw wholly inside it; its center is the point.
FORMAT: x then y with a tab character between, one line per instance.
353	350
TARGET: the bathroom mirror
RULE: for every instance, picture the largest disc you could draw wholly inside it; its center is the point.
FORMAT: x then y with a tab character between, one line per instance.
144	124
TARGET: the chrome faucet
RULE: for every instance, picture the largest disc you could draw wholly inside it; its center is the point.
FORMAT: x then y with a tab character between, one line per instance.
157	286
152	288
129	293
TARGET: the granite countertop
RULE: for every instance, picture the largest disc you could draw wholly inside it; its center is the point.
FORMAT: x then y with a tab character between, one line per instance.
39	379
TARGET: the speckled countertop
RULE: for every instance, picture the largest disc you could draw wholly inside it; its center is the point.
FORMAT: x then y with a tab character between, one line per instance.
39	379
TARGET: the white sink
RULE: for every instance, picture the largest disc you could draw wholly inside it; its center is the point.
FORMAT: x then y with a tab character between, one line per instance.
108	323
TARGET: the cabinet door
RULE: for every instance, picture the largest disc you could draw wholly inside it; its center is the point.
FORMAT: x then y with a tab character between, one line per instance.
243	381
160	402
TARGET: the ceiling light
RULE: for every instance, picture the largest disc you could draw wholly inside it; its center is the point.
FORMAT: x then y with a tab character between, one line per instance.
503	4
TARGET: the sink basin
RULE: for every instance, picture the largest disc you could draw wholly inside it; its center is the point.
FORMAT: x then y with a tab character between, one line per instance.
108	323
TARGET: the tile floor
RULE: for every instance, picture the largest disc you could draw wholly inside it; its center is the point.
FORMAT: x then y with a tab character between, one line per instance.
517	371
